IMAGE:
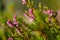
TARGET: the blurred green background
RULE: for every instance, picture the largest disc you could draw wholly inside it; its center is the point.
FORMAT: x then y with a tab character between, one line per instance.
7	7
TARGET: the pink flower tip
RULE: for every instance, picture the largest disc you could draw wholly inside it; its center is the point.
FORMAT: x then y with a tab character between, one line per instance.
14	17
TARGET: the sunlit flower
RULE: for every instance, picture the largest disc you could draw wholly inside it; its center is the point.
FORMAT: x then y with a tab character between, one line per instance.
23	1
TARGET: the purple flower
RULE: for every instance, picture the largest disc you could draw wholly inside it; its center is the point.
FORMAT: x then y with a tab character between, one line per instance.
10	38
10	23
30	11
24	2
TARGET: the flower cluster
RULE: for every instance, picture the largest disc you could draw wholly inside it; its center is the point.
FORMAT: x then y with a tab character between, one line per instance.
40	25
14	23
29	16
49	13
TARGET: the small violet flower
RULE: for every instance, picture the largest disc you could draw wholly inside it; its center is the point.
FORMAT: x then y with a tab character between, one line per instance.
24	2
10	38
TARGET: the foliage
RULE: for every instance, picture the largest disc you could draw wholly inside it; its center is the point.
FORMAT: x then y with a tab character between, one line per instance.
38	24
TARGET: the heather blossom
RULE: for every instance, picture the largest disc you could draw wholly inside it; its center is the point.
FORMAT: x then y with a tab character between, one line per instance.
49	12
14	17
29	16
10	23
14	23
